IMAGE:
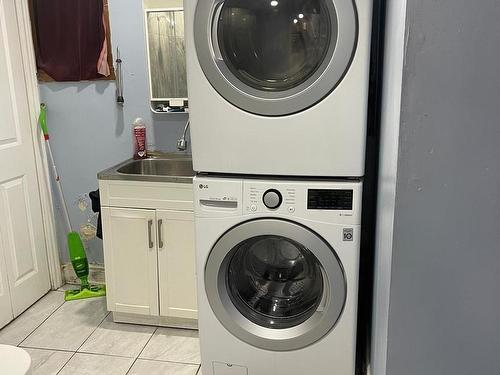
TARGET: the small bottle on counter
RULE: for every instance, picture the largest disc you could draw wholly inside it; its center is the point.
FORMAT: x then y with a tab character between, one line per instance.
139	129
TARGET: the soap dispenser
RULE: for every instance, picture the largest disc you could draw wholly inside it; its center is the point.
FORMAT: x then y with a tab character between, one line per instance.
139	128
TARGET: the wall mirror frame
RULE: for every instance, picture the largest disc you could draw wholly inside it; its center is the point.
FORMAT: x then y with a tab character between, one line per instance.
166	57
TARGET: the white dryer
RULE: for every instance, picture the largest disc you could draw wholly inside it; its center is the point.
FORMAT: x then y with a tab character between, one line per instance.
278	86
277	265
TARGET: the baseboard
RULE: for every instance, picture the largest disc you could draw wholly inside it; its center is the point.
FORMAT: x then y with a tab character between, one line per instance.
96	274
158	321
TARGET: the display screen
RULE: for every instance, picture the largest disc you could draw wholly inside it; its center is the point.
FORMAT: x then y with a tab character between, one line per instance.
329	199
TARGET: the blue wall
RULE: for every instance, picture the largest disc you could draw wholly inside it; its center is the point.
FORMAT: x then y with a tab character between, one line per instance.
90	132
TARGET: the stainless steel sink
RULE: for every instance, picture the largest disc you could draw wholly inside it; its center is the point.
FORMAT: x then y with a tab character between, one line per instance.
159	167
169	167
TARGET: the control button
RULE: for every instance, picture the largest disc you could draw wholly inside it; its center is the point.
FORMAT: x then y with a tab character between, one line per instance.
348	234
272	198
291	209
253	207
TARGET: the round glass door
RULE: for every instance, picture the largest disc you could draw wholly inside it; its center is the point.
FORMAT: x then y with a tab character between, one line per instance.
275	284
275	57
274	45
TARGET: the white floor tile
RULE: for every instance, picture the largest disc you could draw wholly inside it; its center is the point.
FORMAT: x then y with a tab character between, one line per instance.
69	326
66	287
90	364
146	367
16	331
111	338
176	345
47	362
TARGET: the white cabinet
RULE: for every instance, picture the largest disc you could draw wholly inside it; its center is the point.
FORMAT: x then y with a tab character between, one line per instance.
131	260
149	252
176	260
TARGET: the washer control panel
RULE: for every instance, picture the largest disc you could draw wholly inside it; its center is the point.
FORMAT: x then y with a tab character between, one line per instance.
264	198
326	201
318	200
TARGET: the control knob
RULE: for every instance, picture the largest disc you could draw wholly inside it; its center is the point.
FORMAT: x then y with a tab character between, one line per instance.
272	199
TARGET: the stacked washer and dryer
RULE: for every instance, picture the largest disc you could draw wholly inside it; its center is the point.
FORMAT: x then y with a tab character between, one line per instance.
278	93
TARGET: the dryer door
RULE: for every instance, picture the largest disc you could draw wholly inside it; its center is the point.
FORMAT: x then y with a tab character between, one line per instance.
275	284
275	57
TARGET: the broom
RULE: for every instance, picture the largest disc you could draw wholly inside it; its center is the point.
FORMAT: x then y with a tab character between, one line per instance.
76	249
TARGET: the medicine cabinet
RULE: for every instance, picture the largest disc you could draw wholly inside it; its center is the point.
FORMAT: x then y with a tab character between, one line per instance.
166	54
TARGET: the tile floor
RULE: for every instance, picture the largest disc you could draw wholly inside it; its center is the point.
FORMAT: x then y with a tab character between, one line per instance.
80	338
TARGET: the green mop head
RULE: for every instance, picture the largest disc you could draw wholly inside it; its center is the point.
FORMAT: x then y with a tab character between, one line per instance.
81	267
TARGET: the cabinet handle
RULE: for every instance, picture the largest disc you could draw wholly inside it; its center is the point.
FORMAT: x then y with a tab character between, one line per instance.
150	237
160	240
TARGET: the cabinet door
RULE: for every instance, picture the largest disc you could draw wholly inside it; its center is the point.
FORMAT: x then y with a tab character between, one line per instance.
130	256
177	270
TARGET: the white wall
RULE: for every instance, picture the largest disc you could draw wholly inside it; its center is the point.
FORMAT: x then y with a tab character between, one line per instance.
89	131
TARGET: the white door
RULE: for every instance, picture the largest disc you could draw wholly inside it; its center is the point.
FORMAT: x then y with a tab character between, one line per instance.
22	239
176	264
6	314
130	256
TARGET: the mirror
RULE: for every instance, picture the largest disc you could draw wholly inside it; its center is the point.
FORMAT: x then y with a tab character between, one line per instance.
166	54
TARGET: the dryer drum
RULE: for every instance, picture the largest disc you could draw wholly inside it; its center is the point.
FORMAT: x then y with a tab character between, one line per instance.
274	47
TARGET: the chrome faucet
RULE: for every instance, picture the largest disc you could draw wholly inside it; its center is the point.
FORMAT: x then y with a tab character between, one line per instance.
182	142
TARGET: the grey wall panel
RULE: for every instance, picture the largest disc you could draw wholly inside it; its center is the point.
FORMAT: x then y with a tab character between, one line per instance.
444	315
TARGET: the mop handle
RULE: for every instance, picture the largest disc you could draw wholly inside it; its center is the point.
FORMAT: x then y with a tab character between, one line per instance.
42	120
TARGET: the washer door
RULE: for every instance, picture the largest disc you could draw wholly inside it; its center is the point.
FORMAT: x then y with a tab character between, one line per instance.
275	57
275	284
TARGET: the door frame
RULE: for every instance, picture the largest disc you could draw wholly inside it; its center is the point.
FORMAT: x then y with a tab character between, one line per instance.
41	161
394	57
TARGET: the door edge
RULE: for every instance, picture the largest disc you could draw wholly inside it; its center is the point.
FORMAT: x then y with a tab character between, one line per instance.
42	168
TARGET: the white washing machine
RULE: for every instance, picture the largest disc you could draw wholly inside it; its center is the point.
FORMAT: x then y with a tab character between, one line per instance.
277	265
278	87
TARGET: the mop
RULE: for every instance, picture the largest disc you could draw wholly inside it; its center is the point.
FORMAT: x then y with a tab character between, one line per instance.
75	245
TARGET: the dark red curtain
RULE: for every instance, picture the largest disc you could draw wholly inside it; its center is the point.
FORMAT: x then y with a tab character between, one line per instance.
69	38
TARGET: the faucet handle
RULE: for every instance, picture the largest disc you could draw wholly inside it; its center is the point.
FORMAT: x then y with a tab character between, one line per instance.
181	142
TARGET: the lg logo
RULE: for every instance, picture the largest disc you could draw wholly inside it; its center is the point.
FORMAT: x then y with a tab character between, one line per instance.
201	186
